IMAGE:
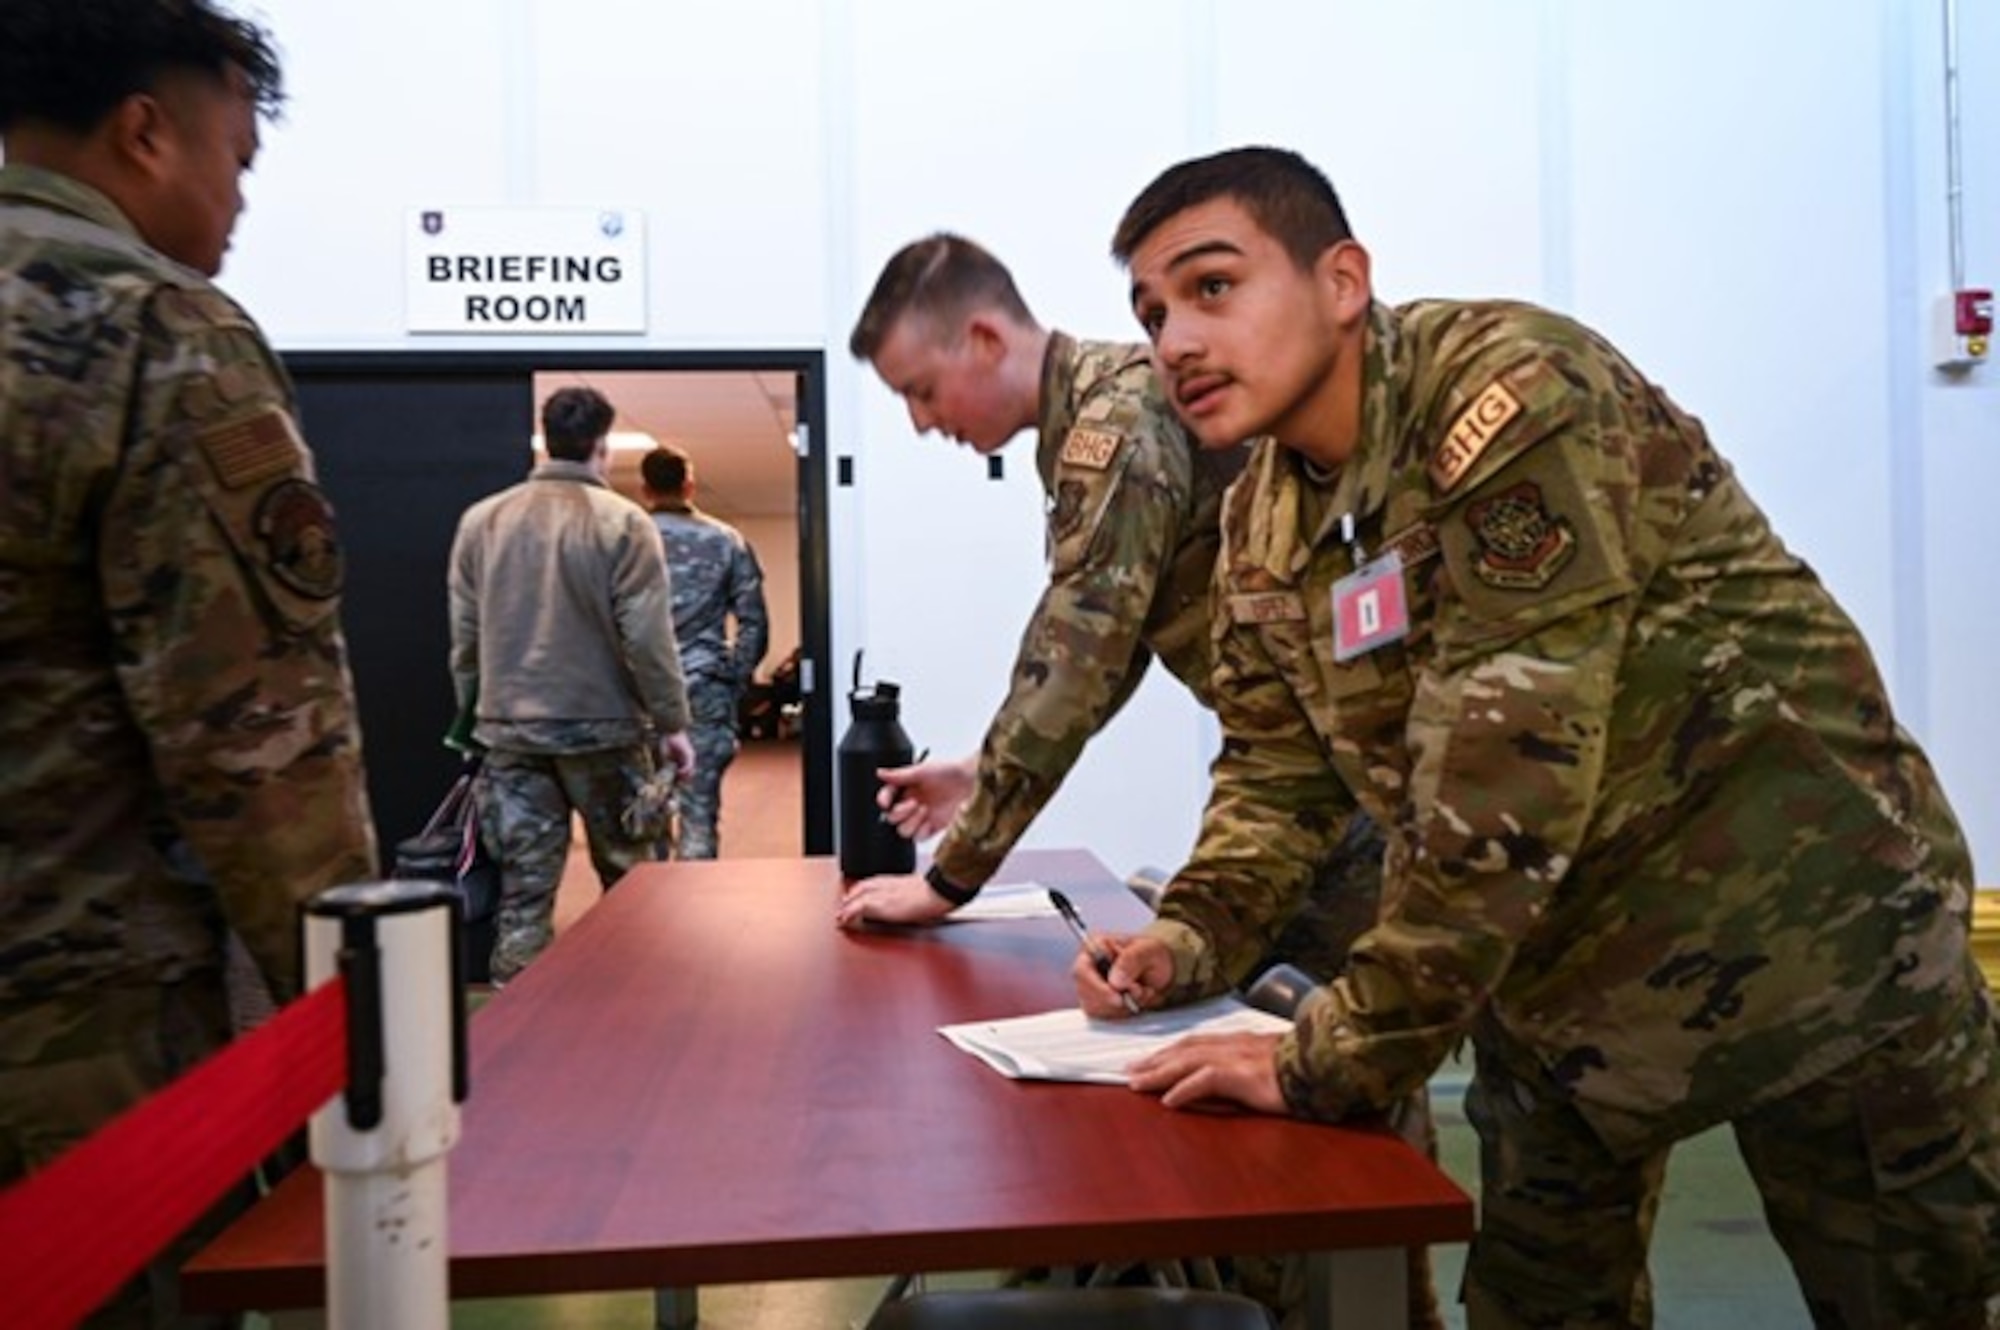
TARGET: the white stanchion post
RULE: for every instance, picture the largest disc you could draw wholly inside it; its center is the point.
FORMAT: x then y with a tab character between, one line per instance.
382	1144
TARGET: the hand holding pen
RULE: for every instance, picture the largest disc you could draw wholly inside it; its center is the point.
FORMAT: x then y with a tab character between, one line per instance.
1100	959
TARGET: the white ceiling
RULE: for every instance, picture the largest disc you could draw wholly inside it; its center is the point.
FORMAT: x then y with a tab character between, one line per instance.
735	424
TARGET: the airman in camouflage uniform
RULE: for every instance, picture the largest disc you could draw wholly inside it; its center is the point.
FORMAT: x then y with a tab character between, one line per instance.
1132	533
715	580
182	757
562	641
1656	841
1133	530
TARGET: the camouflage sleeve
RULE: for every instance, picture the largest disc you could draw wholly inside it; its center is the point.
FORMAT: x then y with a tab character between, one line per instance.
1081	654
222	573
1507	730
753	619
642	601
1275	811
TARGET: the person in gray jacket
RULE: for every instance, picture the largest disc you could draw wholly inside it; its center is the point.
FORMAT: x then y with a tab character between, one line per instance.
562	641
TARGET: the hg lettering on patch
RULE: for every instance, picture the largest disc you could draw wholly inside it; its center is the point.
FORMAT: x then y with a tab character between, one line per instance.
1090	448
1476	428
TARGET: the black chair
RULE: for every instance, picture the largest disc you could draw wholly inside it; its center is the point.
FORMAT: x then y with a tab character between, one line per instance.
1148	884
1072	1309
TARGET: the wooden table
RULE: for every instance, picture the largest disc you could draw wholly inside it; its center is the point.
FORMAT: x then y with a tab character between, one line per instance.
705	1082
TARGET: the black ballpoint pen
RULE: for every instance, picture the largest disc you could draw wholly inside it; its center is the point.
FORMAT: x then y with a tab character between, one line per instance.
1099	960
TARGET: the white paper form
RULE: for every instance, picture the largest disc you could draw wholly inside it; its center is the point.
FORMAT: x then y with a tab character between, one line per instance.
1066	1045
1010	900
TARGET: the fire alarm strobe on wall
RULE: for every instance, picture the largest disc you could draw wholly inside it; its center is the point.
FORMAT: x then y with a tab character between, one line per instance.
1964	329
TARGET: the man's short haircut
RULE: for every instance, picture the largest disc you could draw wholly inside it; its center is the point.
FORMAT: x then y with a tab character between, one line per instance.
70	62
665	470
573	420
1284	194
942	278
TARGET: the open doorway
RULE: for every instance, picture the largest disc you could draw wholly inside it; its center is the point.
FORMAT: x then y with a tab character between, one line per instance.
738	429
405	441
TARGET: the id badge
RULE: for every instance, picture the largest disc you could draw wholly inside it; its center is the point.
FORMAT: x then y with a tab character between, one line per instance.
1369	609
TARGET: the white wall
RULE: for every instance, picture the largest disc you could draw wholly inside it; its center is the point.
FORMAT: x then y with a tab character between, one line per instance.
1944	447
1749	199
1027	127
774	539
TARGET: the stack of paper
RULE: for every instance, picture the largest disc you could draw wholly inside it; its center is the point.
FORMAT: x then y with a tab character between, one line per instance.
1012	900
1066	1045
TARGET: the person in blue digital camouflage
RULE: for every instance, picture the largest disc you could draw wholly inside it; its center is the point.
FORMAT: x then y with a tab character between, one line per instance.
562	640
723	628
181	757
1656	844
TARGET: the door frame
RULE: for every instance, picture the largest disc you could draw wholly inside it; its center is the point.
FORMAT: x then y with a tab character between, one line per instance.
815	581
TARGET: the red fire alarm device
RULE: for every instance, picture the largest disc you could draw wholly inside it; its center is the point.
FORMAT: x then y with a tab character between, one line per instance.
1964	329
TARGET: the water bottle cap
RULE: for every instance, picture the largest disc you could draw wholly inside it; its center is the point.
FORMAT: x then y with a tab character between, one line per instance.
875	705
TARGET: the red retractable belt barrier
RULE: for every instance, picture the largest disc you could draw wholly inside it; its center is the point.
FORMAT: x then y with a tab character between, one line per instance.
75	1231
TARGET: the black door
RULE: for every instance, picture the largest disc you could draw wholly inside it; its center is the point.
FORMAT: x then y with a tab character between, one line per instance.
401	456
815	580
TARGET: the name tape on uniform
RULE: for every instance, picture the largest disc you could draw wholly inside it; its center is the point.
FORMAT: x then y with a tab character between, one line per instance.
1267	607
1413	544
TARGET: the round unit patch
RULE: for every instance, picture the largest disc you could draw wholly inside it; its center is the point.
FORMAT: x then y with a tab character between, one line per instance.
1522	545
301	546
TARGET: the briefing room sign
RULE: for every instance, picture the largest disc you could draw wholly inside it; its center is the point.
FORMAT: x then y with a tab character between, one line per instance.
526	270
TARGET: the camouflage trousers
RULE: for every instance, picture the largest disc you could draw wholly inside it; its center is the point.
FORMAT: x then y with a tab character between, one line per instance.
1881	1182
712	730
525	801
68	1065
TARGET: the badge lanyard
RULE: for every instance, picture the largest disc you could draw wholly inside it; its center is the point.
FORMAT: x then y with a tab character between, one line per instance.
1368	605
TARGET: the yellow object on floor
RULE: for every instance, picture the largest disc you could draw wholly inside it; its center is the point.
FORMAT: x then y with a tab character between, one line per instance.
1986	933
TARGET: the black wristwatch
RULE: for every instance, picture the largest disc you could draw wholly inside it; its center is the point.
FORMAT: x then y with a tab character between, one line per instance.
947	889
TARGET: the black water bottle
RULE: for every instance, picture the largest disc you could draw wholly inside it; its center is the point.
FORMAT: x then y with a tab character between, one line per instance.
869	843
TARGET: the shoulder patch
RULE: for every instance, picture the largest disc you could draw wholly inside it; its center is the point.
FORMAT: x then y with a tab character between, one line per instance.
253	449
301	548
1470	435
1521	544
1091	448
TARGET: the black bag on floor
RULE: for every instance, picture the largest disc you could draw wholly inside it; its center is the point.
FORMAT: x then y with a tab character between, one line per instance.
448	849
